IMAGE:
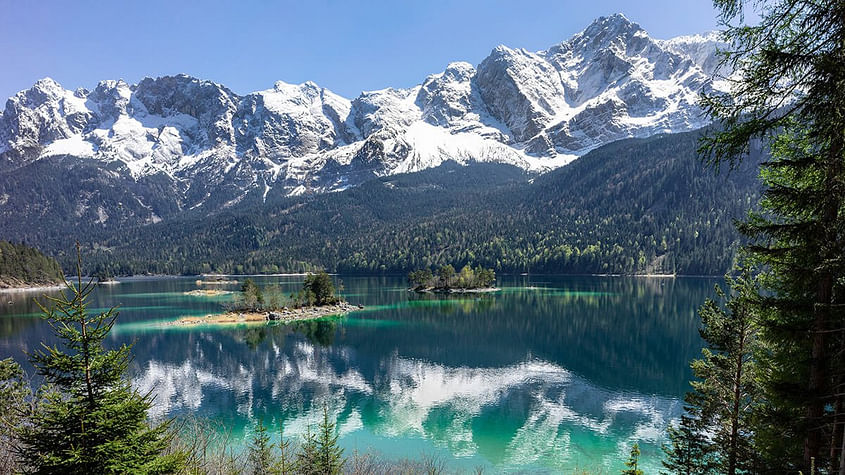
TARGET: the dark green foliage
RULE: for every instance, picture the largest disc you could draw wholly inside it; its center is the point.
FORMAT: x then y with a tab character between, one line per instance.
87	418
635	206
716	432
446	278
319	453
789	93
102	274
420	278
727	391
22	265
633	461
690	452
320	285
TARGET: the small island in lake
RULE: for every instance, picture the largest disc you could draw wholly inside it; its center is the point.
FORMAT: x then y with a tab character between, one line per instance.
316	299
446	280
207	292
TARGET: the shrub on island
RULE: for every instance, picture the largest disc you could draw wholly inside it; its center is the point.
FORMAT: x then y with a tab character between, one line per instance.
446	279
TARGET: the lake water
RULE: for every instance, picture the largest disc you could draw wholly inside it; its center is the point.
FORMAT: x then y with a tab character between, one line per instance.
550	374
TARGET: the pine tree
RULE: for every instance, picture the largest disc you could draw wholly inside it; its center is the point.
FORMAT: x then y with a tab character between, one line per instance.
308	457
445	274
330	455
633	461
87	418
790	93
287	465
321	286
260	453
690	453
728	390
718	426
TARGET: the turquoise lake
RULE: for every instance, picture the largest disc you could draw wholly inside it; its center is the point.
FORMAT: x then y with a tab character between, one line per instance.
550	374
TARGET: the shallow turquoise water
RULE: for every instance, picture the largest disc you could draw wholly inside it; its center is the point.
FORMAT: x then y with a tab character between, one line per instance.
550	374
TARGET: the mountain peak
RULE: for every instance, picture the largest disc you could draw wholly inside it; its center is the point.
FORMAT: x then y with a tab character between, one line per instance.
289	88
536	110
616	22
46	83
605	31
43	89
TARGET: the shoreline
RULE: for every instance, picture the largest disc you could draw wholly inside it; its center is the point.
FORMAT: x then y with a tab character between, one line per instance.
283	316
207	292
484	290
33	288
400	274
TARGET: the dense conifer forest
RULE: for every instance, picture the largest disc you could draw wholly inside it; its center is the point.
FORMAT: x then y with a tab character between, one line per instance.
636	206
21	265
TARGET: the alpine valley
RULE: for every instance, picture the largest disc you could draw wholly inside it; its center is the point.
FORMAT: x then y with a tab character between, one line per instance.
178	175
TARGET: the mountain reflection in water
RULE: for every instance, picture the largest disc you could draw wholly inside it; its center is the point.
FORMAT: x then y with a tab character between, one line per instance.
550	373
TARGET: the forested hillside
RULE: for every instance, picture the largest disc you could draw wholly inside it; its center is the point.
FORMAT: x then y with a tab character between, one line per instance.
634	206
24	266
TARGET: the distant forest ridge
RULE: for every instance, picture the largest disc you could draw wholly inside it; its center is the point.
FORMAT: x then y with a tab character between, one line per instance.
636	206
24	266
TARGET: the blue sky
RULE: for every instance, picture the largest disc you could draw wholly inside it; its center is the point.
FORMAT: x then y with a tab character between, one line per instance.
346	46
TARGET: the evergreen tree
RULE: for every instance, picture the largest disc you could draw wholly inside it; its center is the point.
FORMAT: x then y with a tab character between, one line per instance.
445	273
308	457
718	426
87	418
727	390
420	278
287	464
330	455
321	287
260	454
690	452
790	93
22	265
633	461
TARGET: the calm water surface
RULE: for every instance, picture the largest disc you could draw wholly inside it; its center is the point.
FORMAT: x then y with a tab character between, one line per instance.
550	374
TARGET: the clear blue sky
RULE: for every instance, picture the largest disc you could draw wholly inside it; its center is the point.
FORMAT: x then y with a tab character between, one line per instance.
344	45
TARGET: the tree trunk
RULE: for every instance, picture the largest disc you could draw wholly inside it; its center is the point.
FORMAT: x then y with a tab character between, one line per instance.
732	455
818	382
818	373
842	453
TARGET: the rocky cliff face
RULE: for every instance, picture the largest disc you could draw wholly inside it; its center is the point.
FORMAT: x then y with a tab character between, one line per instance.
213	148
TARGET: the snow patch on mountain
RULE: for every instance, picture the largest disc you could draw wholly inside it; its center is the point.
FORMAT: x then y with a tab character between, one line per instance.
535	110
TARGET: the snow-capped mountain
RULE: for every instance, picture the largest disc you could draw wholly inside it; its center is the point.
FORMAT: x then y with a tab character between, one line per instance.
211	147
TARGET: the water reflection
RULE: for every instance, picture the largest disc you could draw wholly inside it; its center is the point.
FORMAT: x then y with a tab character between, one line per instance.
552	372
545	415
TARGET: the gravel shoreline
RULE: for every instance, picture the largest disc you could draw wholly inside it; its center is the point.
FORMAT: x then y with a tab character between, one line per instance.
284	315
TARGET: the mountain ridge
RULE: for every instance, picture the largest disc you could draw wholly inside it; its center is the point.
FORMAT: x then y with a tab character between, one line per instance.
636	206
215	148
